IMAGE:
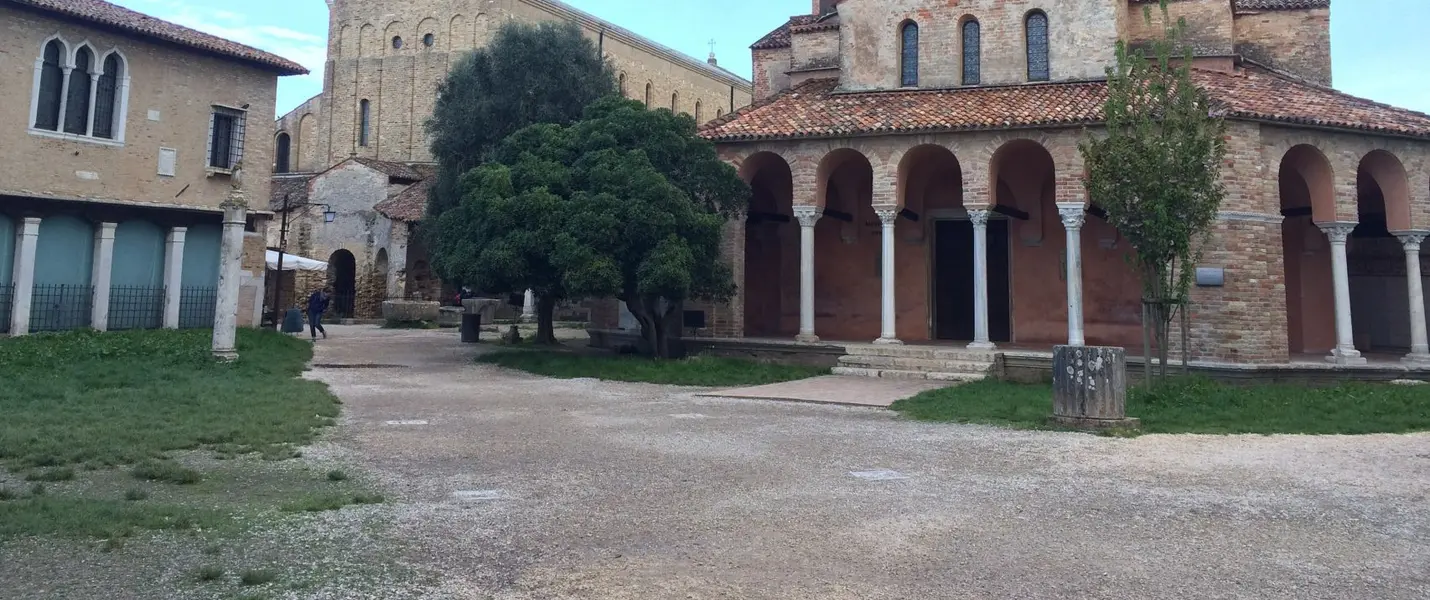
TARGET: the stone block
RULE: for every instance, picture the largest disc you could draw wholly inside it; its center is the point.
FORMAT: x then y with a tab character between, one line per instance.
449	316
486	307
1090	387
406	311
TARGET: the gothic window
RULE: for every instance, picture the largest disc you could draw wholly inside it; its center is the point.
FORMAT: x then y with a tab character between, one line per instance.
972	52
106	97
1037	31
49	97
621	82
697	112
284	151
674	101
77	95
909	55
649	89
364	121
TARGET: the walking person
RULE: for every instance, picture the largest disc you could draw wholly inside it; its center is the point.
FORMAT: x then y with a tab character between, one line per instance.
317	305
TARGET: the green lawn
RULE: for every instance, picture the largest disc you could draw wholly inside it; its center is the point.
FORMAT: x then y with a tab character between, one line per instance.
1198	406
119	398
695	371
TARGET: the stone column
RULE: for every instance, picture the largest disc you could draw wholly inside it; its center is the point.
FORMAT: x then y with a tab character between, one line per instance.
1345	352
528	307
888	333
1073	215
807	216
100	275
24	275
235	211
173	275
1419	347
979	218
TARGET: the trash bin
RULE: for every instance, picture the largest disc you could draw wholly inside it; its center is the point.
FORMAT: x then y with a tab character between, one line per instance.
293	321
471	327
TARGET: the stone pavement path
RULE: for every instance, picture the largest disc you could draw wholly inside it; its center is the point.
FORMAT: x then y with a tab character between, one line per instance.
835	389
516	487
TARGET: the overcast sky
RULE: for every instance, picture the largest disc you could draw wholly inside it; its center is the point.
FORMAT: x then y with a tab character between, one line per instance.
1378	47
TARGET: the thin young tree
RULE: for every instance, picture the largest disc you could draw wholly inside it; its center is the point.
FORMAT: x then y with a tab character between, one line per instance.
1156	171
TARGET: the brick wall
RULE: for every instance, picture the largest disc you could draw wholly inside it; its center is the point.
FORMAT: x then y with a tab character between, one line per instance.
1209	23
771	71
1297	41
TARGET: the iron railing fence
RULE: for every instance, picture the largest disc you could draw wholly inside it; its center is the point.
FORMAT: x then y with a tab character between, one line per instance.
7	299
60	307
197	306
136	307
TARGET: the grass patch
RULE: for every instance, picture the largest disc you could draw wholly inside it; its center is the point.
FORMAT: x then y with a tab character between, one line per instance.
696	371
122	397
51	474
166	471
257	577
73	517
336	475
1195	405
208	573
326	502
136	495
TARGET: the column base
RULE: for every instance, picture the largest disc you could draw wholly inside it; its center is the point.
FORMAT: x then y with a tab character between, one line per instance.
806	338
888	341
985	346
226	355
1417	359
527	319
1346	357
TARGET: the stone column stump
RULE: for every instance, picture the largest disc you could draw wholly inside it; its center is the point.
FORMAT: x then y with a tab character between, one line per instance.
1090	387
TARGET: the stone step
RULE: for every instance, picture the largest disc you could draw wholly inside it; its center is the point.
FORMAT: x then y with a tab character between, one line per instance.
924	352
902	374
916	364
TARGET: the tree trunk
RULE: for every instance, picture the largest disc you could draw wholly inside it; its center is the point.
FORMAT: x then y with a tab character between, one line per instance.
545	320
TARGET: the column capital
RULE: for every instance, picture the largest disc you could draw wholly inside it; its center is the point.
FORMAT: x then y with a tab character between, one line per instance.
808	215
1410	239
1338	231
887	213
1073	214
107	229
979	216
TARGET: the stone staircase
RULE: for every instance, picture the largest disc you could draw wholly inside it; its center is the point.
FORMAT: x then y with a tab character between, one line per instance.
916	362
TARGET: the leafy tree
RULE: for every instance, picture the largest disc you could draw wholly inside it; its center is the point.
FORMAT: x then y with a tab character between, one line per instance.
1156	172
627	203
528	74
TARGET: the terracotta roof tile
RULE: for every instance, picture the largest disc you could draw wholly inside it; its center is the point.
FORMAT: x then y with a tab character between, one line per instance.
394	170
408	205
295	187
1281	4
779	38
120	18
815	109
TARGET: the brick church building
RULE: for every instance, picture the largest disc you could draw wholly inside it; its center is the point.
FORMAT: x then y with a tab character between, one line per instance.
917	179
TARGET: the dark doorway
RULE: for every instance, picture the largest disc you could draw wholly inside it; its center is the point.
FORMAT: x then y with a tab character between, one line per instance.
953	281
342	277
281	155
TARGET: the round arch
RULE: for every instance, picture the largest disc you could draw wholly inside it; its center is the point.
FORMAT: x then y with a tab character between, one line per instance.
342	277
770	289
929	169
1306	189
1387	174
1307	183
846	164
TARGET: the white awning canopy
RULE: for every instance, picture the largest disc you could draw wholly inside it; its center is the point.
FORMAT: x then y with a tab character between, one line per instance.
293	262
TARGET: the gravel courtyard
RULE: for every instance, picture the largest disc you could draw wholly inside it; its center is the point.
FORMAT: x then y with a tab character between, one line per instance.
511	486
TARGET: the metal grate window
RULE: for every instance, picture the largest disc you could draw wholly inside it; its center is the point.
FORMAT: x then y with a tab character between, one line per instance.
197	306
136	307
225	138
972	53
60	307
7	299
1037	29
909	56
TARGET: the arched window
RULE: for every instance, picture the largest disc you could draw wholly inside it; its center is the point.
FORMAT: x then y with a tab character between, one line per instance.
621	82
697	112
719	112
649	90
972	52
909	55
282	154
364	121
50	96
1037	32
674	101
106	98
77	98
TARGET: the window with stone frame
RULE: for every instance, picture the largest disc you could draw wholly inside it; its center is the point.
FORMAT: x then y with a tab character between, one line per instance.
909	55
79	95
972	52
1037	34
226	128
364	121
